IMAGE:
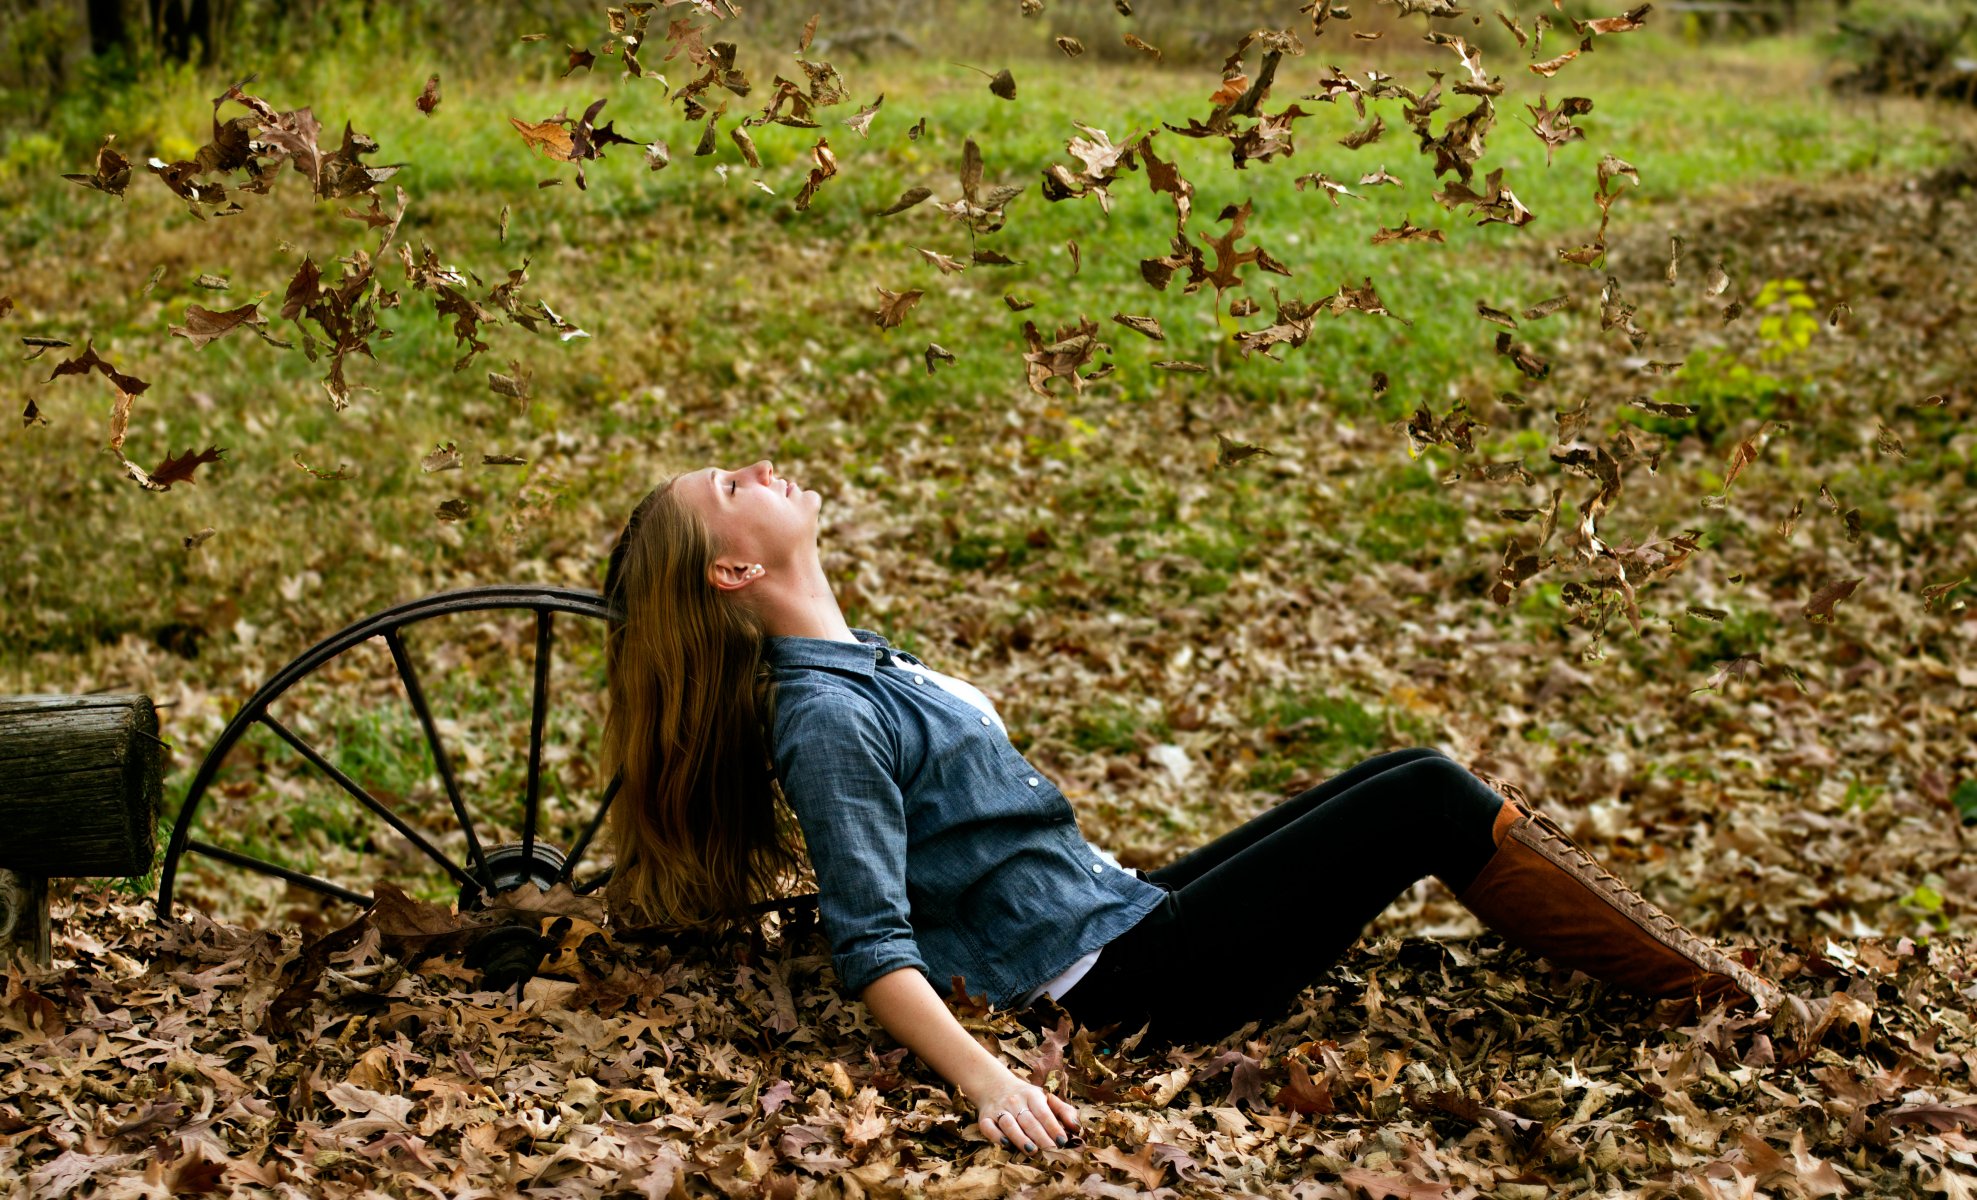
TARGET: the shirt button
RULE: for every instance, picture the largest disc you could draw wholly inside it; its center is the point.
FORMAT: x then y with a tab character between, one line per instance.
1097	867
919	679
1033	781
985	720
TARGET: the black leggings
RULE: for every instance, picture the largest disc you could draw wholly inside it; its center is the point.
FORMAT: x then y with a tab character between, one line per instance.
1256	915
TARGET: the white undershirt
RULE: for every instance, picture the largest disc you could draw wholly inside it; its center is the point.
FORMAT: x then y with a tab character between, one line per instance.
1060	984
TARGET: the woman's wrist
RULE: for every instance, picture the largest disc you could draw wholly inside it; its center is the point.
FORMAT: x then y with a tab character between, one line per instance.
986	1075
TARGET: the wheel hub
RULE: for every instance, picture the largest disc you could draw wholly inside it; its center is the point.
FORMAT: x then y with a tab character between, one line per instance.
511	868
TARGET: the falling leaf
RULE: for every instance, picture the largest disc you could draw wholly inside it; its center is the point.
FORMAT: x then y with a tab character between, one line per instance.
1408	232
1365	136
443	458
342	472
195	540
550	137
1495	315
934	353
1016	305
42	346
1545	308
1071	46
1718	280
502	460
893	305
157	273
212	283
1002	83
947	265
1229	452
1819	609
456	509
1146	325
429	98
823	166
179	469
112	172
1181	365
746	145
1134	42
861	121
204	325
1550	66
907	199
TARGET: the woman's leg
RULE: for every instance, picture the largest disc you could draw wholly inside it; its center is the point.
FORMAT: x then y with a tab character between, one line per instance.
1243	938
1199	861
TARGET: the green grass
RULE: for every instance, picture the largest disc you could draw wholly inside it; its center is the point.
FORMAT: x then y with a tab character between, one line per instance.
1322	734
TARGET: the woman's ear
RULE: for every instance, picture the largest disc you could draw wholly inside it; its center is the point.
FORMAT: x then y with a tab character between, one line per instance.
729	575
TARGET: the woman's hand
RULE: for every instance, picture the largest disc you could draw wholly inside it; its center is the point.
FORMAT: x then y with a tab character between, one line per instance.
1013	1113
1018	1114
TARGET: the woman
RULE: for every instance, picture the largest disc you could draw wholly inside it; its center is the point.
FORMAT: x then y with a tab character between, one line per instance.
940	852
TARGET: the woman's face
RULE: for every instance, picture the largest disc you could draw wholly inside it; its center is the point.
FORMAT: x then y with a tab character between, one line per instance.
754	513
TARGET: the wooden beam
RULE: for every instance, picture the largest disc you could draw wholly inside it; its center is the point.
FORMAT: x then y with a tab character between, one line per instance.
80	782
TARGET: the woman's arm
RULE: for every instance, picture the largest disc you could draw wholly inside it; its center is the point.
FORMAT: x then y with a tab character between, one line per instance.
907	1005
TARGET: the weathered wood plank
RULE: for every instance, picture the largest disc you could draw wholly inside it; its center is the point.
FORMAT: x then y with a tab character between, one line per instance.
80	783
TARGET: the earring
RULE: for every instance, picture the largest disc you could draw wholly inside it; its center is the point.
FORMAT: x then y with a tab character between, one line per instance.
755	570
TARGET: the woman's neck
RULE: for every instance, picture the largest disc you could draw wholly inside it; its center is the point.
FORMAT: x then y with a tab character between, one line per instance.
801	604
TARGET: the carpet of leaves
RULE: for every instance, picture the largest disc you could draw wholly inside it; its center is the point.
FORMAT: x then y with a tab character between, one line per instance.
207	1059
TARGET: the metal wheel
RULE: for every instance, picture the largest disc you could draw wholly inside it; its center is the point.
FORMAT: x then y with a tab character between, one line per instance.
480	871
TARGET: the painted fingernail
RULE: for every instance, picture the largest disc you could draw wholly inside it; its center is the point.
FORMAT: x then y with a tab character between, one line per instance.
1030	1146
1062	1141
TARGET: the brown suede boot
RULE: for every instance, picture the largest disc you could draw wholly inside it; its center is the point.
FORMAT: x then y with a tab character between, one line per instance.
1546	895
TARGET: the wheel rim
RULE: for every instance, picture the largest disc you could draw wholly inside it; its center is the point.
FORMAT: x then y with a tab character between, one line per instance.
477	875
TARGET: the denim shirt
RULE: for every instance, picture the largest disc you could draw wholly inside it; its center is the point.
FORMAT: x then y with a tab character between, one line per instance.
936	845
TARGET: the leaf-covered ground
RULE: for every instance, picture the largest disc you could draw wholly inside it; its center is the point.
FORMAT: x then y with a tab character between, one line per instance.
214	1060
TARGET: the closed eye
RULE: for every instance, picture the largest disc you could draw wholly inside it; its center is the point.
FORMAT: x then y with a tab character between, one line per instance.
731	487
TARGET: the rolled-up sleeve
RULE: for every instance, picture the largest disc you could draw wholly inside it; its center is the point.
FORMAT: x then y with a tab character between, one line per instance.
834	759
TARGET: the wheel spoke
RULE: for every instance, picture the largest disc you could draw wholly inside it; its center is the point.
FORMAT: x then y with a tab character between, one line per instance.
417	696
365	798
590	885
267	868
537	709
590	830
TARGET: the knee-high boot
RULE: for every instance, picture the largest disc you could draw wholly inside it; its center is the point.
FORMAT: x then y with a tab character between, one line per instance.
1546	895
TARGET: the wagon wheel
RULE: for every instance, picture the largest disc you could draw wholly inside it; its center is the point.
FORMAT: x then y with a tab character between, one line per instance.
482	871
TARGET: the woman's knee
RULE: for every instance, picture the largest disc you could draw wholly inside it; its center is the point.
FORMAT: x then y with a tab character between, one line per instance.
1446	784
1394	758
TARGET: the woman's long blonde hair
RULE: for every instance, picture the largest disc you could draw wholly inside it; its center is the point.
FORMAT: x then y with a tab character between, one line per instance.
697	827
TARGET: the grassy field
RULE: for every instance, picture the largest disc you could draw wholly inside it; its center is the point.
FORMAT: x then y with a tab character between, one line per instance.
725	326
